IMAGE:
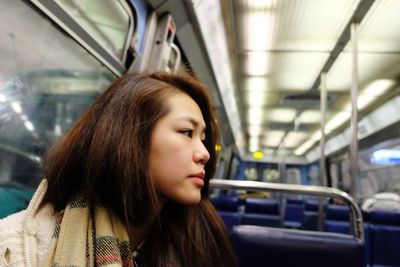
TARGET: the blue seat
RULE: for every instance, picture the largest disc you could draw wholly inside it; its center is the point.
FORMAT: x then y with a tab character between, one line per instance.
228	210
337	219
225	203
384	235
337	213
294	210
264	212
257	246
230	219
310	220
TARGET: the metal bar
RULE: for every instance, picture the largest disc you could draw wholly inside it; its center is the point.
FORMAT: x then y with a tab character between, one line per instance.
323	96
354	115
355	212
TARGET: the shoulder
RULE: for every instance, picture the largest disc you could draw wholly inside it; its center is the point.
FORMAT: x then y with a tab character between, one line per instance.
12	223
11	241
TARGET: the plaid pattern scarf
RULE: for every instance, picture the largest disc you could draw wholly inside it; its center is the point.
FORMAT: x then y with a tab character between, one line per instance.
84	238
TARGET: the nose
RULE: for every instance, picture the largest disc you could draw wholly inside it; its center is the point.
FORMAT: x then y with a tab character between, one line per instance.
201	154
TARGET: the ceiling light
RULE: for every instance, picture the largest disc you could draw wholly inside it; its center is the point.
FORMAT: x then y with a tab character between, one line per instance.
259	84
378	87
304	147
310	116
283	115
293	139
256	99
257	30
261	4
16	106
258	155
272	138
254	130
257	63
29	126
255	116
336	121
3	98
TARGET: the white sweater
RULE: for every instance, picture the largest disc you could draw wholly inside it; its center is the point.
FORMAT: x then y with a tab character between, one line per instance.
25	236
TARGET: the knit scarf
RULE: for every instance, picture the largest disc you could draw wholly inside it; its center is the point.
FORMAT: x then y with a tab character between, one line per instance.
87	236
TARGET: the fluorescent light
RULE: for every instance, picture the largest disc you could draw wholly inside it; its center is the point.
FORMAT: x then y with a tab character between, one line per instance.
255	116
254	130
272	138
29	126
254	143
378	87
261	4
257	30
304	147
310	116
293	139
284	115
316	136
256	99
336	121
16	106
259	84
257	63
3	98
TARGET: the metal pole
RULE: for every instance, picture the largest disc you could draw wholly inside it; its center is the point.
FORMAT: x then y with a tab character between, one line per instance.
323	96
322	167
354	115
355	212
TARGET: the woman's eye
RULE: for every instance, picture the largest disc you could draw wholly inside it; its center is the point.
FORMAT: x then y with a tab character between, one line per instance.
188	133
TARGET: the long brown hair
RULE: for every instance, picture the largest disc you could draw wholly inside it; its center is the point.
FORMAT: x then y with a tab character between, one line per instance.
105	156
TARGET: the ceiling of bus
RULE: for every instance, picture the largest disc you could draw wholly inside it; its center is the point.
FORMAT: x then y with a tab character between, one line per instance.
280	48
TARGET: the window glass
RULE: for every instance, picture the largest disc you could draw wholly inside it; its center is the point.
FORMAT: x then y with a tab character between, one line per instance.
106	21
46	82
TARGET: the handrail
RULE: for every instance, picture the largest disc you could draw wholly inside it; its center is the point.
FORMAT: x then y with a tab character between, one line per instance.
355	212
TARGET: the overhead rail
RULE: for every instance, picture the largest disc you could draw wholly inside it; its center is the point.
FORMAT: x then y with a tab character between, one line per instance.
355	212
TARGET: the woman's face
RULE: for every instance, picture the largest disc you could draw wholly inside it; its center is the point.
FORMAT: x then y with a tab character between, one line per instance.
177	152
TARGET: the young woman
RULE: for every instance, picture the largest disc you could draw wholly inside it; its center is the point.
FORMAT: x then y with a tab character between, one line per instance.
128	184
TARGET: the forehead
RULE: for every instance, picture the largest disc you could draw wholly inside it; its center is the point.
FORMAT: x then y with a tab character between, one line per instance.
182	105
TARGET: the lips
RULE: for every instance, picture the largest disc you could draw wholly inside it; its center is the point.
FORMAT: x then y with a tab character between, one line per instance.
198	179
199	175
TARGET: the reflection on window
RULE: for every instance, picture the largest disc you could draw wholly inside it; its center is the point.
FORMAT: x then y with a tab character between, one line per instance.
386	157
106	21
46	82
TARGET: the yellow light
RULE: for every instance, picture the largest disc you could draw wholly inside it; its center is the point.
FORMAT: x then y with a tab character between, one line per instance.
258	155
217	148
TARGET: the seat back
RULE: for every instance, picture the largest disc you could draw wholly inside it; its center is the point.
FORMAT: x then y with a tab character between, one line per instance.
384	235
258	246
263	212
337	219
228	209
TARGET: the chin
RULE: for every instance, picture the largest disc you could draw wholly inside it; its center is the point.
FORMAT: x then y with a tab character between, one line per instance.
189	201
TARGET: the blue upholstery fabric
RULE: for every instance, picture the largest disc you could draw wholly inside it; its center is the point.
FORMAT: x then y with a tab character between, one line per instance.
294	215
337	213
257	246
262	206
337	227
230	219
263	212
384	217
261	219
310	220
226	203
384	235
385	244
